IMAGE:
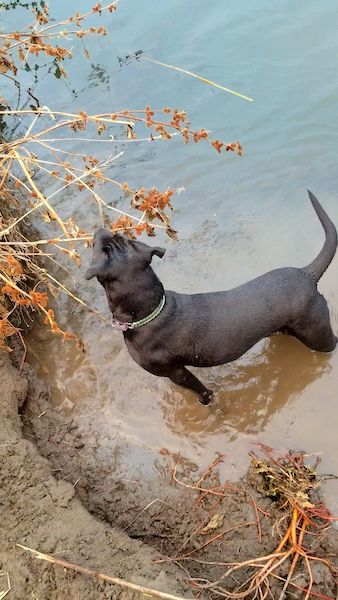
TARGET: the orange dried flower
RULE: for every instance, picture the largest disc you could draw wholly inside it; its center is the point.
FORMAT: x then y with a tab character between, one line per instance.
178	118
39	298
151	200
123	223
200	135
149	114
101	128
185	135
217	145
13	267
140	228
6	330
15	295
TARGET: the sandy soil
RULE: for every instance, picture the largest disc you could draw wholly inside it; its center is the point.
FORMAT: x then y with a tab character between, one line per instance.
43	513
87	521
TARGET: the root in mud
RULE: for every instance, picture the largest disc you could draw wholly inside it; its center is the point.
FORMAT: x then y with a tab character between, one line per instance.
297	519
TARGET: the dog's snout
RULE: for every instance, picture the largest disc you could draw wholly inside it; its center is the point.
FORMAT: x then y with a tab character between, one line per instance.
102	237
98	231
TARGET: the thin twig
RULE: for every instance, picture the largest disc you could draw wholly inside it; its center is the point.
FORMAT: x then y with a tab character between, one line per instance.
101	576
142	511
203	79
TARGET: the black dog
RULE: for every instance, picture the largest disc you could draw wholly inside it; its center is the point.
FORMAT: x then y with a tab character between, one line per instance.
165	331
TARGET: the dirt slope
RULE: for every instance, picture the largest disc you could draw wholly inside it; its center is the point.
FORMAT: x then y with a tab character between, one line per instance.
40	512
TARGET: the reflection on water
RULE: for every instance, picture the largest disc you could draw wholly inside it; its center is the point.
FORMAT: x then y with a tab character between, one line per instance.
249	391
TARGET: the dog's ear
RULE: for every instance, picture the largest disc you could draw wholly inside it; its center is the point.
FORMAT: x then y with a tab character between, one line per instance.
160	252
148	252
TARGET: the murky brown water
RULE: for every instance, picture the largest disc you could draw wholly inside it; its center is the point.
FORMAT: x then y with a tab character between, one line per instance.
279	393
236	219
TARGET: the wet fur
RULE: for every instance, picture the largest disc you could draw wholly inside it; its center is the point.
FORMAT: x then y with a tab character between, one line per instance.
210	329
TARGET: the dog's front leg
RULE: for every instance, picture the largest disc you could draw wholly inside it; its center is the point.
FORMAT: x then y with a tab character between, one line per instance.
183	377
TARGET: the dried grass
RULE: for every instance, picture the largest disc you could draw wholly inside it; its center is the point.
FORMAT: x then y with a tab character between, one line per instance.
39	158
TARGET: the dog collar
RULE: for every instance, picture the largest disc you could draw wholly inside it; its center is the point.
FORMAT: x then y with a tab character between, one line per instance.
136	324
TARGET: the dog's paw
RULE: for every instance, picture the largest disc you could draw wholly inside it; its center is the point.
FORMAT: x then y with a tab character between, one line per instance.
205	397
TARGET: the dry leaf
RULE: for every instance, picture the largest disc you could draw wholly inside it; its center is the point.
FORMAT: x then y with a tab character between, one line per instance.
215	522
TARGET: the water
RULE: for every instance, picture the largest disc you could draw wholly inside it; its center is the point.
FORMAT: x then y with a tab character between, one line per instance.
236	219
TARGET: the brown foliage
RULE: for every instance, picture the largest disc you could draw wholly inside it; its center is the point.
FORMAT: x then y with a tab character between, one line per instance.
20	272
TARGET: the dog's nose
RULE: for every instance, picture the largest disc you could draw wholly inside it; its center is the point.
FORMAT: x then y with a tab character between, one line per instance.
99	232
102	238
98	229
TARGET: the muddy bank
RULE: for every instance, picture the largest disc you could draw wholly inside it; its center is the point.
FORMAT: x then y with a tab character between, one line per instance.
170	517
41	512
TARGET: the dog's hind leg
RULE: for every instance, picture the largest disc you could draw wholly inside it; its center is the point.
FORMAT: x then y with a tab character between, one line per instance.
181	376
314	329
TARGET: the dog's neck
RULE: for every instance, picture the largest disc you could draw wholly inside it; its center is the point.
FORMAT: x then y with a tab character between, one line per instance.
140	297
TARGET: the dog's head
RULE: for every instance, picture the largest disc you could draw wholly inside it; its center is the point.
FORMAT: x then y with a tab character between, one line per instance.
118	260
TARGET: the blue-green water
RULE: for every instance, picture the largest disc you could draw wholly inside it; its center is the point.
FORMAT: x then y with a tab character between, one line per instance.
237	218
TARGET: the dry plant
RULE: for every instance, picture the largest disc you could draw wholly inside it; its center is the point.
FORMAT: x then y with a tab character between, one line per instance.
299	519
40	38
40	158
41	151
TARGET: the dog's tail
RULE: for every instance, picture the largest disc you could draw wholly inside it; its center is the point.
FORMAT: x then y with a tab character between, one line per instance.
319	265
